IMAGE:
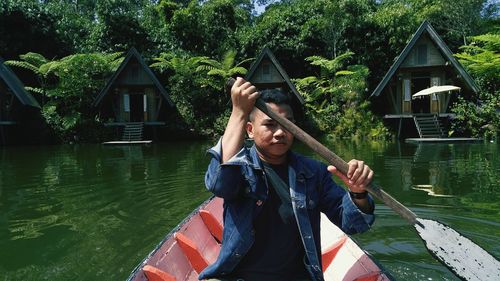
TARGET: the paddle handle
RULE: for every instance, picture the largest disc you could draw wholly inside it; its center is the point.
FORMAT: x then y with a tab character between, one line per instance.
329	156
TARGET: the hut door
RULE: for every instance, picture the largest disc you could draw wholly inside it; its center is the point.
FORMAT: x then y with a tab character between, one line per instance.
420	104
136	108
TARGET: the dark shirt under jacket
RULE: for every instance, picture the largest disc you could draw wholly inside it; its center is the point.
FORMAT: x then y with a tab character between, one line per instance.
277	253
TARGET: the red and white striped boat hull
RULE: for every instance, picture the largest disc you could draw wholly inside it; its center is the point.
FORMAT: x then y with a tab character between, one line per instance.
194	244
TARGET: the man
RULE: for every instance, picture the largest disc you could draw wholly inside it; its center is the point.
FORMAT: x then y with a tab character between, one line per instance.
273	197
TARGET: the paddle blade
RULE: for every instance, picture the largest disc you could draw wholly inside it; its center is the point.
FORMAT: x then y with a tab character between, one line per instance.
462	256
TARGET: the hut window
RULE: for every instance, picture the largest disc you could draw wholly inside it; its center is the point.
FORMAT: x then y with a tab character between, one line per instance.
145	97
126	103
406	89
422	54
266	71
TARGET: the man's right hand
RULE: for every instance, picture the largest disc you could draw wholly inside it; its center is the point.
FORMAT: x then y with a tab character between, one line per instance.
243	97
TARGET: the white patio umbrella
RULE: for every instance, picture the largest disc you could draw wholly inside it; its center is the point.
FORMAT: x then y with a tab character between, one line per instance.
435	90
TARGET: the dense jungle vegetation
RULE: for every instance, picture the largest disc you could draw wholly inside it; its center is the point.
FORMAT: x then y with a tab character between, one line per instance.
336	50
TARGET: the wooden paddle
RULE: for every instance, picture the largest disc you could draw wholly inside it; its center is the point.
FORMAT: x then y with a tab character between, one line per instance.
463	257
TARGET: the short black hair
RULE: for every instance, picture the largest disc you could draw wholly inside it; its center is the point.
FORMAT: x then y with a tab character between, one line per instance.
276	96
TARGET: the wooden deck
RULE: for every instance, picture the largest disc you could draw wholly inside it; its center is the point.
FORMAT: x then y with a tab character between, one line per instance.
442	140
144	142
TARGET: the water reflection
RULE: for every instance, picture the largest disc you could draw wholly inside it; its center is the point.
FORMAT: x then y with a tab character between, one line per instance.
443	169
65	209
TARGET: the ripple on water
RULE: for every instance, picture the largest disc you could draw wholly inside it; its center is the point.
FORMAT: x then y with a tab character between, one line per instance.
65	209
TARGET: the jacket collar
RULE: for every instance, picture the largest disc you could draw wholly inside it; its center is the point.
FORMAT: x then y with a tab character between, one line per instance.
296	162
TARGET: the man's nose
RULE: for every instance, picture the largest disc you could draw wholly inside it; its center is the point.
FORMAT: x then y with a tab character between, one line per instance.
280	132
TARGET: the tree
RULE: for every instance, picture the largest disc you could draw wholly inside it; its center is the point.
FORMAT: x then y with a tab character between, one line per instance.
208	28
482	60
458	20
293	30
27	26
118	26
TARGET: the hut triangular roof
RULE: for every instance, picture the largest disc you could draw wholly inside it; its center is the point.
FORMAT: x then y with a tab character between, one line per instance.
132	53
17	87
446	52
266	52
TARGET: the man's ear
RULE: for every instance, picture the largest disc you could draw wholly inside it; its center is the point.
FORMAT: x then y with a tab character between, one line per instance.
249	128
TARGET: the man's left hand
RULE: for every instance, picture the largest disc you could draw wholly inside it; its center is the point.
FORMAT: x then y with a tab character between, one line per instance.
359	175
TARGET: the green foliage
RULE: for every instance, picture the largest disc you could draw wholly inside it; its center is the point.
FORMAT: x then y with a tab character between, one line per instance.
482	60
29	26
69	86
166	9
220	71
196	45
335	99
198	104
209	27
291	30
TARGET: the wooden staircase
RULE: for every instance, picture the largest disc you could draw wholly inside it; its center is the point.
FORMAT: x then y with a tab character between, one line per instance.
429	126
133	131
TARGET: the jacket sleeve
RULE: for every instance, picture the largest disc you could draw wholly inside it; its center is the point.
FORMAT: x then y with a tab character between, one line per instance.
337	204
224	180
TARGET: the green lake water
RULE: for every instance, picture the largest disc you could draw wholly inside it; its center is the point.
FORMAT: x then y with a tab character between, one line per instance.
93	212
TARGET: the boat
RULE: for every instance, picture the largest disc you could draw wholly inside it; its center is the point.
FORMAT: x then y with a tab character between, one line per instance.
195	243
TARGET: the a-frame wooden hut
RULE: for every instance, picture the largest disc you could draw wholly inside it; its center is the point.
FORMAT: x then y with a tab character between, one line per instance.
267	73
426	61
134	96
15	102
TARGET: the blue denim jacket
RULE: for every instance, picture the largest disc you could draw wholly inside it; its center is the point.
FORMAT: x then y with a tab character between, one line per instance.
242	183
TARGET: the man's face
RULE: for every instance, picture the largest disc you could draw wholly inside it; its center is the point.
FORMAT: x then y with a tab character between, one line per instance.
271	140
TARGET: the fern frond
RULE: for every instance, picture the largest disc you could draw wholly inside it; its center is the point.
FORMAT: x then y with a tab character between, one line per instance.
237	70
23	64
217	72
228	59
210	62
344	73
35	90
307	81
34	58
204	68
245	61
